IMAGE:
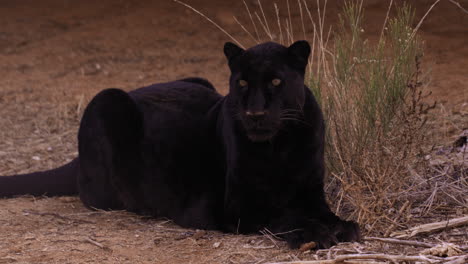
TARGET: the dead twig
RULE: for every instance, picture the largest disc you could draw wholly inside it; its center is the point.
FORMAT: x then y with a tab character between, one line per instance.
392	258
400	242
363	262
431	227
398	216
458	5
267	233
89	240
258	247
458	260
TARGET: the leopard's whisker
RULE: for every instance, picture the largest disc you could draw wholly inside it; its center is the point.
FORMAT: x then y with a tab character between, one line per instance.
297	120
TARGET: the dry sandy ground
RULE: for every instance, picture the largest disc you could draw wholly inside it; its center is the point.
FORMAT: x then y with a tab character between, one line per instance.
56	54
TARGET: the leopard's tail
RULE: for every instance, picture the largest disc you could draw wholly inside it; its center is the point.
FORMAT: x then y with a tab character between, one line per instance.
60	181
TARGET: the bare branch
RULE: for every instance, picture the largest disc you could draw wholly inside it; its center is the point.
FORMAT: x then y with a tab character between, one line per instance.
89	240
392	258
431	227
400	242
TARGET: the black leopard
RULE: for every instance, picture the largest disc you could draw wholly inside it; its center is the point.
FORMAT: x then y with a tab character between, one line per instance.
250	160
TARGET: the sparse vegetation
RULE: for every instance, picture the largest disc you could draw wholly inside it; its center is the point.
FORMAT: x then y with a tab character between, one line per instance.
371	98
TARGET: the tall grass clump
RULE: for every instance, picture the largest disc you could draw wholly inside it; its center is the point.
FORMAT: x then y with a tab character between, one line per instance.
370	97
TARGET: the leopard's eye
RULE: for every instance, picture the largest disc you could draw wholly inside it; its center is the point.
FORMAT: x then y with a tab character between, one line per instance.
276	82
243	83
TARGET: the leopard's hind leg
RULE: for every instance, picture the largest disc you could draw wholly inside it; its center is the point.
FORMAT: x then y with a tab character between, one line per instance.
109	149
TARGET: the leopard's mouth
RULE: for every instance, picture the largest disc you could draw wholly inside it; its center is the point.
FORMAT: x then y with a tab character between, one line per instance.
260	135
259	130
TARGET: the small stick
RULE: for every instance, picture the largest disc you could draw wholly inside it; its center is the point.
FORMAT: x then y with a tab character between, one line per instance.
400	212
459	260
375	257
259	247
270	236
392	258
89	240
400	242
459	6
431	227
362	262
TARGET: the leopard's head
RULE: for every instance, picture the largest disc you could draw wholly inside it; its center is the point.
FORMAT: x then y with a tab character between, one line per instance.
266	86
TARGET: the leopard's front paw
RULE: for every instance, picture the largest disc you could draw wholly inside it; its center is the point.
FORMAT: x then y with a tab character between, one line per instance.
347	231
325	236
320	234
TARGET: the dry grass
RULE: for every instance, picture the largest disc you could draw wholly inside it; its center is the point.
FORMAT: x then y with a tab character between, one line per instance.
373	100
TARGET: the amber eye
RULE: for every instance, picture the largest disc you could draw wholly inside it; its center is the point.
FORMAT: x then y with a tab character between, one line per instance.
243	83
276	82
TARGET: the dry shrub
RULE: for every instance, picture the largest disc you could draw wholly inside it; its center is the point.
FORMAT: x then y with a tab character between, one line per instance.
373	101
371	98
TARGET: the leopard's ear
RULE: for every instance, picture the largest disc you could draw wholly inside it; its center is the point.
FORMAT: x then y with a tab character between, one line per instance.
299	51
232	51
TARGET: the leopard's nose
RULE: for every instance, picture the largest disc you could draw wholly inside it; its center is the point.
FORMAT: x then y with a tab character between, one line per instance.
255	113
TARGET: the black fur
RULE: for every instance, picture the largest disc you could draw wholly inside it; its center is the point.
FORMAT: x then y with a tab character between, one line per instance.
149	151
240	163
274	162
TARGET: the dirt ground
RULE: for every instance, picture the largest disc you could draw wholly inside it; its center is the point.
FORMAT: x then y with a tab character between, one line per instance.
56	54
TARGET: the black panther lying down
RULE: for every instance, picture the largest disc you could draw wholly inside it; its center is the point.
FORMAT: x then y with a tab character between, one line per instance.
240	163
147	151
